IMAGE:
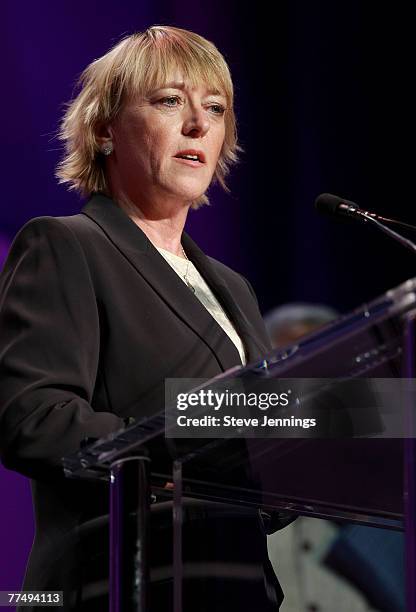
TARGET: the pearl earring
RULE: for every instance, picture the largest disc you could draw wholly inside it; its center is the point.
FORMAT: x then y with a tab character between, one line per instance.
107	149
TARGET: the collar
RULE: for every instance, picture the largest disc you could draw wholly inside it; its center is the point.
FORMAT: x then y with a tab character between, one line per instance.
133	243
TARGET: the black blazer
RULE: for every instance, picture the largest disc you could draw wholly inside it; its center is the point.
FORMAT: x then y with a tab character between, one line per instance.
92	320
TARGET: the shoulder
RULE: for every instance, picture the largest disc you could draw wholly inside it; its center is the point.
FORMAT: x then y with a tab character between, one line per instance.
69	232
39	234
48	244
231	276
44	227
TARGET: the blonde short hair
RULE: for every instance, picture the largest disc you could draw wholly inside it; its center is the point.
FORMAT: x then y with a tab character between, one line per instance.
137	64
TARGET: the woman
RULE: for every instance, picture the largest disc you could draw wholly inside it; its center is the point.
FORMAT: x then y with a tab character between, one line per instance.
99	308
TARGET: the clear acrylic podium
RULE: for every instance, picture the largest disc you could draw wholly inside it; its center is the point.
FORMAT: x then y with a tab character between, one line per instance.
364	480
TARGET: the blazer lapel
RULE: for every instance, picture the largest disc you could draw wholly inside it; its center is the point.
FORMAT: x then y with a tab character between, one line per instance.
137	248
254	348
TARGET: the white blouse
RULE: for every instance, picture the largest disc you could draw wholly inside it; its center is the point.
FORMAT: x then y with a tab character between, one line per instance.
186	270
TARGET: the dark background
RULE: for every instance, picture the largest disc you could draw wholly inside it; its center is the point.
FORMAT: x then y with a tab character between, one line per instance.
321	96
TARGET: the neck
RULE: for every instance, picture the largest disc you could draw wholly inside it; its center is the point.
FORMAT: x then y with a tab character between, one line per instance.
163	227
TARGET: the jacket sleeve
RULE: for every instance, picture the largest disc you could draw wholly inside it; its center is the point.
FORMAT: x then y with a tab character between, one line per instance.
49	350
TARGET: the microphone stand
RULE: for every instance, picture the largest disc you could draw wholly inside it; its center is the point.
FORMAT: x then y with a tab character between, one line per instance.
387	230
409	443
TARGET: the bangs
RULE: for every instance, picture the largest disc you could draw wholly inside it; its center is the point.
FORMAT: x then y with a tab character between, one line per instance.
153	66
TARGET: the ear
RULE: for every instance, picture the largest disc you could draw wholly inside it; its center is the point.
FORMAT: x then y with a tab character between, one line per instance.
103	134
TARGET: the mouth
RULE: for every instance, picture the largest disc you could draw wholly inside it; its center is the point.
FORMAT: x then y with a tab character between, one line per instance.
189	162
191	155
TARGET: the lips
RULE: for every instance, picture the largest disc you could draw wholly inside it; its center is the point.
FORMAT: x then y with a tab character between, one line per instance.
199	154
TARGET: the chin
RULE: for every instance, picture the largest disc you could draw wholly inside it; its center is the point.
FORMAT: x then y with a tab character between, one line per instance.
190	194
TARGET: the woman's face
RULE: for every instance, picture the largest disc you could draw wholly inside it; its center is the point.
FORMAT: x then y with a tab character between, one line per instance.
150	132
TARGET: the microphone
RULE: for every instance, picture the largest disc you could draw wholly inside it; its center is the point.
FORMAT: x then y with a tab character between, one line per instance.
329	204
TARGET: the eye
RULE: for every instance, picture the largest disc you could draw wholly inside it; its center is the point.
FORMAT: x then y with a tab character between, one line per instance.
174	101
217	109
170	101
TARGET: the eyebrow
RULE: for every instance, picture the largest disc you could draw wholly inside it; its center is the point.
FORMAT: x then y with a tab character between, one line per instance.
181	85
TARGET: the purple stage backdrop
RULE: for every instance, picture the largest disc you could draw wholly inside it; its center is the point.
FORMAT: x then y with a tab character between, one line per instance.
317	106
16	528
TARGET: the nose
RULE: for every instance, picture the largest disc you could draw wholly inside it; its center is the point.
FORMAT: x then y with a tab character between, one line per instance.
196	123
